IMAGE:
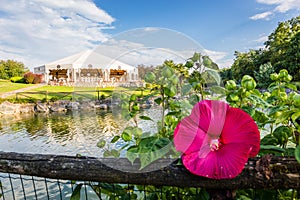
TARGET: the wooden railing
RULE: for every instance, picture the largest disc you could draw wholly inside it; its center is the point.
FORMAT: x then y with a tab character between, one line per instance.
263	173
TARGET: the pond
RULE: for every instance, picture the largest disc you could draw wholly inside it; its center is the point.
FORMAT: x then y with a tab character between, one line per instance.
70	133
67	133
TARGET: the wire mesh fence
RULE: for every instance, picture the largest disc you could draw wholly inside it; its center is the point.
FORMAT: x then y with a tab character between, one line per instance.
19	187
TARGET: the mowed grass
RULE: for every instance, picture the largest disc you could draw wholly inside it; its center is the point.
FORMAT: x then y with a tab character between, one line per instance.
76	93
7	86
64	92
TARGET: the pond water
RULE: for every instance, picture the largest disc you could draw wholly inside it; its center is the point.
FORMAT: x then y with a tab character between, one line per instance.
68	133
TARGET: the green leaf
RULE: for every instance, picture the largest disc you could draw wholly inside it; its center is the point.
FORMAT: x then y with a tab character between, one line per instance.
297	153
146	134
76	193
195	57
260	117
204	195
170	91
136	131
295	116
269	140
186	88
285	115
145	118
218	90
115	139
133	97
101	143
132	154
248	109
271	149
215	75
173	113
151	149
115	153
255	98
126	135
282	133
158	100
107	154
291	86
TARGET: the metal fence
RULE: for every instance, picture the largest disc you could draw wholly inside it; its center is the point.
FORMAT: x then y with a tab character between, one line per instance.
19	187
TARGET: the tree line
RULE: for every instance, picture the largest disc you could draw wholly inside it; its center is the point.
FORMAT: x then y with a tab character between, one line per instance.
281	51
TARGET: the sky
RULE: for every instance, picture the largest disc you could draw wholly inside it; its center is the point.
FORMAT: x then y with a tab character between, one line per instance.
37	32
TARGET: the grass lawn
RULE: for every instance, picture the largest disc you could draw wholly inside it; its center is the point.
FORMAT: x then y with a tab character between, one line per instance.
64	92
77	93
7	86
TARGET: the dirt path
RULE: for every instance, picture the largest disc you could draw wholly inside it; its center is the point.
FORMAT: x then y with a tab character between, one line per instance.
7	94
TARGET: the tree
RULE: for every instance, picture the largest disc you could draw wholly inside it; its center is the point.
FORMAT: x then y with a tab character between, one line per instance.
281	50
226	74
292	62
11	68
142	70
244	63
263	75
283	46
29	77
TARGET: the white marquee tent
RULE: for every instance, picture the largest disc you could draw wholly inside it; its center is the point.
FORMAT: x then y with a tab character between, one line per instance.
84	60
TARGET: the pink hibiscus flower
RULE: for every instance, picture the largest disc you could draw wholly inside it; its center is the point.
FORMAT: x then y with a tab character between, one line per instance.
216	140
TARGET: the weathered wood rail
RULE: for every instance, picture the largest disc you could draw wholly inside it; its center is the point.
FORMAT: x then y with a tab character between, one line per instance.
262	173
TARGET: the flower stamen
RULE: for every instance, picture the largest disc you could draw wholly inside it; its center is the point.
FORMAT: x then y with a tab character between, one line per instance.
214	145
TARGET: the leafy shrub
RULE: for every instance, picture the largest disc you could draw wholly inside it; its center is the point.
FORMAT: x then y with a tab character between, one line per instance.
263	75
44	100
29	77
297	84
275	111
37	78
17	79
54	98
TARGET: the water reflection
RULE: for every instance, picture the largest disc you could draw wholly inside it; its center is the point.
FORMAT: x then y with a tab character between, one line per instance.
59	133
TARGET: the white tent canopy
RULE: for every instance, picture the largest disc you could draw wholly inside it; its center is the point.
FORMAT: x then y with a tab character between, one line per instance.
84	60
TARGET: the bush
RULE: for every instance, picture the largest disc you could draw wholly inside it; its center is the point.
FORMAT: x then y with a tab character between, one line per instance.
297	84
17	79
37	78
54	98
263	75
29	77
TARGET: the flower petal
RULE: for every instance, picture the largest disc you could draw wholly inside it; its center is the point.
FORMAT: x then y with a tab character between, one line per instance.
188	137
216	140
240	128
217	118
206	117
227	162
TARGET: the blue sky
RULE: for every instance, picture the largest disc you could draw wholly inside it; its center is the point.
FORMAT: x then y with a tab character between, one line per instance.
40	31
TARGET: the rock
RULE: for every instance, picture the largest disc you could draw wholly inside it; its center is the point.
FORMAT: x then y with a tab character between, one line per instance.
73	106
58	107
41	107
27	108
86	105
102	106
7	108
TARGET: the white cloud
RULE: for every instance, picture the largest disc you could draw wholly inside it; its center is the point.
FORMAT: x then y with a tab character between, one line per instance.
263	15
281	6
219	57
39	31
135	53
261	39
